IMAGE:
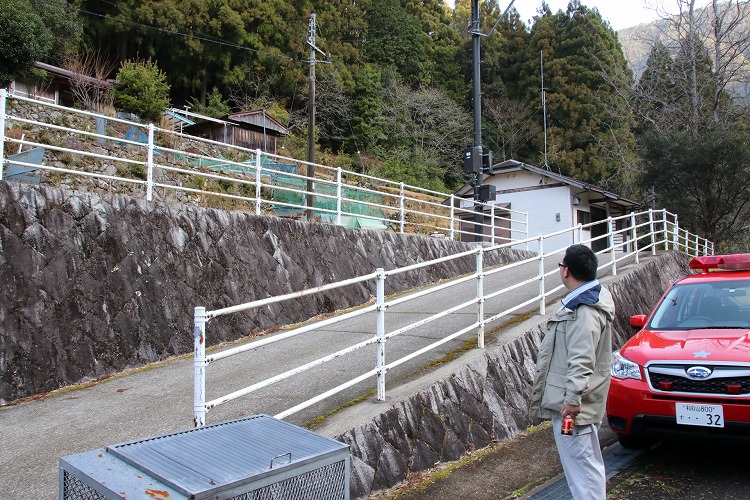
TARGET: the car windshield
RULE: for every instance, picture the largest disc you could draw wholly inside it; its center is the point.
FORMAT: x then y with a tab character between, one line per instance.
715	304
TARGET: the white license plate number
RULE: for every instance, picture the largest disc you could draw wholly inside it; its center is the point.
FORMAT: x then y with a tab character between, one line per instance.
699	414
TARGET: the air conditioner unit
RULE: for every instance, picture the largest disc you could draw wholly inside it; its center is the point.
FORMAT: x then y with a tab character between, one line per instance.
258	457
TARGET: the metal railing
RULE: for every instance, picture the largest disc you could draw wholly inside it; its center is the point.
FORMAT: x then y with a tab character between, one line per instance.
646	231
138	159
158	162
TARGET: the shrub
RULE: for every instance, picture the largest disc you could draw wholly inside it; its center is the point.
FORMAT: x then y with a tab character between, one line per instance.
142	89
23	37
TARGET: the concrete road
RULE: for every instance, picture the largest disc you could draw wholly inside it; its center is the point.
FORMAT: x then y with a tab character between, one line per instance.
159	399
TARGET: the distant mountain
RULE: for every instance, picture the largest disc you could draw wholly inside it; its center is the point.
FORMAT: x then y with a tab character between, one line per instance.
637	40
636	43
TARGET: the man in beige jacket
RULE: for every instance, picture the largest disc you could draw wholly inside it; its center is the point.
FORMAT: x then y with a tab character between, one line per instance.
573	371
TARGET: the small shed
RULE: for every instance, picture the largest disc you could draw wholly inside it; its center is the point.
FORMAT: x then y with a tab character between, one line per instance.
59	88
552	201
246	129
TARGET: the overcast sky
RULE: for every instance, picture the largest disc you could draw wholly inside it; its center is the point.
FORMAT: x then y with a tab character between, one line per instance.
620	13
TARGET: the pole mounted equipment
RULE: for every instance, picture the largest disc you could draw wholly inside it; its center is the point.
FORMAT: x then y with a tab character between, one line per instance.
476	160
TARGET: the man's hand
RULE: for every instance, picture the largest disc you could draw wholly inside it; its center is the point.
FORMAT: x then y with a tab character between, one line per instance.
571	410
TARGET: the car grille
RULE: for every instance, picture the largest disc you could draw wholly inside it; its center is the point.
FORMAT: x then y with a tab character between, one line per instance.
732	380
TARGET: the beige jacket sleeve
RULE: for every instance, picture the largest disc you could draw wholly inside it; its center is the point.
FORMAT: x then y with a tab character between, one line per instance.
582	338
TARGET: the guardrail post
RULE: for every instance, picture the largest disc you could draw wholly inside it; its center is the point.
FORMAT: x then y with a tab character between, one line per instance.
257	181
338	196
697	246
652	231
402	214
453	216
150	164
380	331
480	296
3	102
492	224
526	231
542	292
686	235
675	234
199	367
634	236
611	237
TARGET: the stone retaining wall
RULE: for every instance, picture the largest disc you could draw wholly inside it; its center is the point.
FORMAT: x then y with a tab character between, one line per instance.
484	401
94	283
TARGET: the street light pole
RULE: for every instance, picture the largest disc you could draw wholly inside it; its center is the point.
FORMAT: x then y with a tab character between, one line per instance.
475	34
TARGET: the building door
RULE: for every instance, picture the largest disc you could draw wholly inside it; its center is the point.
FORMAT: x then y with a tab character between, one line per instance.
598	230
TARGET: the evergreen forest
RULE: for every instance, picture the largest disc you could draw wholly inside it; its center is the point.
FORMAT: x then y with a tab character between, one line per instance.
393	82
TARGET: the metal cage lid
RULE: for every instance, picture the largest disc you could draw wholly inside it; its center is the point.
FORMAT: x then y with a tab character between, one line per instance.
221	455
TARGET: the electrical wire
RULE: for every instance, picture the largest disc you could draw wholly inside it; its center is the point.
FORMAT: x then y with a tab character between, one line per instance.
204	38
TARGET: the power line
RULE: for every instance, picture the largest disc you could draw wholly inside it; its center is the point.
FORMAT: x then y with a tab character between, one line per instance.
204	38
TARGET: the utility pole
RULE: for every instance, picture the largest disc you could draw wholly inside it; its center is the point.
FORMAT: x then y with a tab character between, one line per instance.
476	160
311	120
475	34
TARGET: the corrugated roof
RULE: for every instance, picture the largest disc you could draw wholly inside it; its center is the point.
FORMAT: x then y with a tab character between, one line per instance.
259	118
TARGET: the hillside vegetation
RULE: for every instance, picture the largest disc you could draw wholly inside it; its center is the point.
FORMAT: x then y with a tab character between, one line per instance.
394	86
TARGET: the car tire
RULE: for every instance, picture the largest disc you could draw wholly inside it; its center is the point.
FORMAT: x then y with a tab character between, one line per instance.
635	443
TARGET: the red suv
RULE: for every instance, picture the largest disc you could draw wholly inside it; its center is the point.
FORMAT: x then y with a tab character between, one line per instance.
687	371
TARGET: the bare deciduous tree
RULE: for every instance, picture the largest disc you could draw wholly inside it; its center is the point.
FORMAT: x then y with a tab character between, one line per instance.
718	35
693	135
511	126
88	79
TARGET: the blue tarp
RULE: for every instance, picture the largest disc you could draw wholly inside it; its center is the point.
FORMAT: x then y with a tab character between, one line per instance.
23	173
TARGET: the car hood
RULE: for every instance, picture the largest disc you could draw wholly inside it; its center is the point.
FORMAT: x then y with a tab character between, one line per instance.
706	345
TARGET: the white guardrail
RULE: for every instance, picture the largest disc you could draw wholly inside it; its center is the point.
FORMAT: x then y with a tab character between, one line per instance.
161	163
646	232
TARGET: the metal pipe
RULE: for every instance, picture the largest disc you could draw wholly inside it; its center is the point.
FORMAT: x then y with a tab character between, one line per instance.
150	164
540	277
3	103
611	239
199	367
338	196
380	329
402	208
258	180
480	298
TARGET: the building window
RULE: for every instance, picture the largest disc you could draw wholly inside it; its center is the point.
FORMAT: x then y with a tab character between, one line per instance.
583	217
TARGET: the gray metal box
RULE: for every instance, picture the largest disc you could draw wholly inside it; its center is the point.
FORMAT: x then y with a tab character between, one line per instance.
258	457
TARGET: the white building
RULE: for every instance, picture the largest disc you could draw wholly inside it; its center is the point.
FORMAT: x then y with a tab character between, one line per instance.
553	203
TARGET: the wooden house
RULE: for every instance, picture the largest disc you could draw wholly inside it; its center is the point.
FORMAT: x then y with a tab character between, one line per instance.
58	88
246	129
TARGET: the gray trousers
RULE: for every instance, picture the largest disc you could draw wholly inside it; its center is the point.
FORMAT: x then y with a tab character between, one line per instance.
582	461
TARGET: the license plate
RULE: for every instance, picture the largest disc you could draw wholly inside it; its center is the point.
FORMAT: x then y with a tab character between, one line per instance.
699	414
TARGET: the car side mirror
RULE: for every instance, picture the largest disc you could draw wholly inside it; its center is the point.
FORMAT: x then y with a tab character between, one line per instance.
638	321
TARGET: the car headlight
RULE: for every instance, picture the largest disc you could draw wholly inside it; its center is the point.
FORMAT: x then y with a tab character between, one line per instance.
624	368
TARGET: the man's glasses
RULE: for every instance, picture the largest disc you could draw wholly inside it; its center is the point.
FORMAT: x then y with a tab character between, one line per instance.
560	264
